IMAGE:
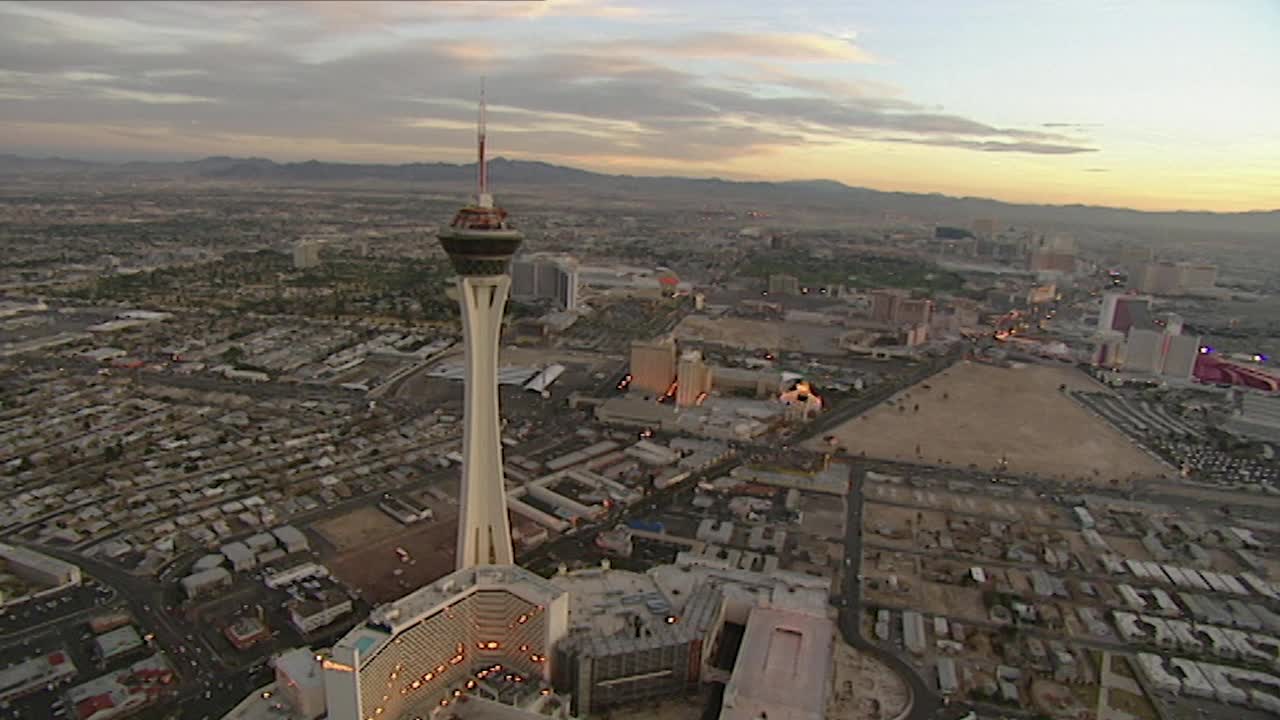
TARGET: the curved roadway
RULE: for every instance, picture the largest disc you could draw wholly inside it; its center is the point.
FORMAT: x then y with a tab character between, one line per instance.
925	702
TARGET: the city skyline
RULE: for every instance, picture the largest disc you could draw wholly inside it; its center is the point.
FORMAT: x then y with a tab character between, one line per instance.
1122	107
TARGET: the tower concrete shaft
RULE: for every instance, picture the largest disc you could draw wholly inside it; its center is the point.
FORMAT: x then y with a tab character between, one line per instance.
480	244
484	533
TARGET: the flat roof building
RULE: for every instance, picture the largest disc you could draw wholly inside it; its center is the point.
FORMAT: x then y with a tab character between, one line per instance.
240	556
118	642
913	631
291	538
36	567
205	581
948	680
320	609
35	674
783	668
630	641
300	677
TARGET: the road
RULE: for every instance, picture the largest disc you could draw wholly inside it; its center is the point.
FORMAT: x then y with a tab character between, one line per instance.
877	394
197	663
925	702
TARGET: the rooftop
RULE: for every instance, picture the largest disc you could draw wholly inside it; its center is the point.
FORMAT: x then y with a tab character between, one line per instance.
782	667
300	666
393	618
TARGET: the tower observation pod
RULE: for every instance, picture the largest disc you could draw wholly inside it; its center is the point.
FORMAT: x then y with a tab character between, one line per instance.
480	245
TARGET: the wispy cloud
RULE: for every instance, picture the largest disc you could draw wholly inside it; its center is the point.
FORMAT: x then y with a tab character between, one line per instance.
996	146
152	98
782	46
353	75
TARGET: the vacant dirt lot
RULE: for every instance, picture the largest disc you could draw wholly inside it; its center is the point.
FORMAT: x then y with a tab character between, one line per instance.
990	414
372	566
357	528
863	688
758	334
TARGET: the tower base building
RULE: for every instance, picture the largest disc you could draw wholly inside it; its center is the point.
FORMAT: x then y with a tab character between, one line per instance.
488	626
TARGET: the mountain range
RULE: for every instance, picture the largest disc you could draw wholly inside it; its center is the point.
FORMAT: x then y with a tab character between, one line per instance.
516	174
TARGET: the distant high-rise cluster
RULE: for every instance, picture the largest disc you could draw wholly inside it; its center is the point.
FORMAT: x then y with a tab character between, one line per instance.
546	277
693	379
306	255
1132	339
653	365
897	307
784	285
1176	278
985	228
1054	254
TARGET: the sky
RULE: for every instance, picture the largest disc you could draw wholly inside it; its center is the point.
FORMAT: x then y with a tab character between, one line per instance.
1156	105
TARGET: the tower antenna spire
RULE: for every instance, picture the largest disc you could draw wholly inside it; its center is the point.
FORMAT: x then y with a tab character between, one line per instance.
482	167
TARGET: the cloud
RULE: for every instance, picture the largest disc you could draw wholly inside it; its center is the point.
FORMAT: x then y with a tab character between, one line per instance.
783	46
290	72
152	98
1000	146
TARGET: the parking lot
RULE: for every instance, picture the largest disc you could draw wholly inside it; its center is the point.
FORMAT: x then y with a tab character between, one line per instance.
1182	443
23	618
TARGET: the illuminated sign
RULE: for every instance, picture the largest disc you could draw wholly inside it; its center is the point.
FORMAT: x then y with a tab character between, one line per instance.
333	665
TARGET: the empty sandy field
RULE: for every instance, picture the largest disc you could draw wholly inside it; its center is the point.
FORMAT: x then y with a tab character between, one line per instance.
371	567
758	334
992	413
357	528
863	688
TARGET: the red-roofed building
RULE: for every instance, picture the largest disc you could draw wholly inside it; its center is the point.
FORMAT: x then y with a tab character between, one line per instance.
756	490
1214	370
122	693
93	705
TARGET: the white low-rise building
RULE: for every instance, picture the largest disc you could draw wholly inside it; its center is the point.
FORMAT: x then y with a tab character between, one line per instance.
205	581
1194	683
240	556
1152	666
783	668
322	609
294	574
291	538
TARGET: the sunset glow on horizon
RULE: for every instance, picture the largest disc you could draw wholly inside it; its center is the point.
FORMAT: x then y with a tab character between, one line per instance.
1143	104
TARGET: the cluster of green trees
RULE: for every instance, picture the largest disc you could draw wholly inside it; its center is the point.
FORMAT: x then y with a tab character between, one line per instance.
860	271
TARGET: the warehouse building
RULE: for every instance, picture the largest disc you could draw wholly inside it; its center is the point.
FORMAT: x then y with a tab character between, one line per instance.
35	674
36	568
291	539
206	581
113	644
783	668
913	632
242	559
318	609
